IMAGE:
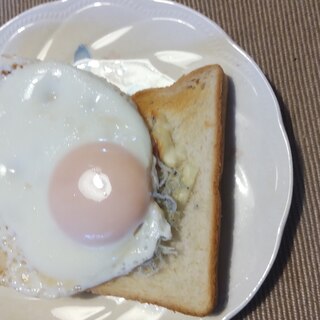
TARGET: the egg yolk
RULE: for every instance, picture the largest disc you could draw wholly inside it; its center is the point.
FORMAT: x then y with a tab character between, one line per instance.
99	192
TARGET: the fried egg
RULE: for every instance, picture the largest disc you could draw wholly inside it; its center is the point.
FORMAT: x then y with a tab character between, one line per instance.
75	165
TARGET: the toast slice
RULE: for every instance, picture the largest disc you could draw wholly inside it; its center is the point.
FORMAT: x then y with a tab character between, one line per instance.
186	121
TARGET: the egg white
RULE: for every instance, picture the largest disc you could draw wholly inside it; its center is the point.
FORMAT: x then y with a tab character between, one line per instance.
46	109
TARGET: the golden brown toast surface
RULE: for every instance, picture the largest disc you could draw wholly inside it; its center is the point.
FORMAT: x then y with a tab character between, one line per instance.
186	121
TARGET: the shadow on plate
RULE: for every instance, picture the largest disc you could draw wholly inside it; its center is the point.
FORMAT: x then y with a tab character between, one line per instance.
294	217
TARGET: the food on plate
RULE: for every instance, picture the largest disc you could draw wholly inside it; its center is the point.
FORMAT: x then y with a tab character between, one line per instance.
128	191
186	121
75	157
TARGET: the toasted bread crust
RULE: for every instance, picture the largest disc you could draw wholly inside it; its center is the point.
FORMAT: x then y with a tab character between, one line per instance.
174	102
219	151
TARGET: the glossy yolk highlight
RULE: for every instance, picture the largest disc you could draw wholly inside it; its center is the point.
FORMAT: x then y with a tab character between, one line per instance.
98	193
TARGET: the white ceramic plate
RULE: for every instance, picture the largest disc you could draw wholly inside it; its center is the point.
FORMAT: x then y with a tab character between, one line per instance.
257	183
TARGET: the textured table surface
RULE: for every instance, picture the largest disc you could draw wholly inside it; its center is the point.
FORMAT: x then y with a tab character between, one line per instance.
283	37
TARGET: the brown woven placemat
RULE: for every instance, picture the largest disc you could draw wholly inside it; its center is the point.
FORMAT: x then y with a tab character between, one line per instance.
283	37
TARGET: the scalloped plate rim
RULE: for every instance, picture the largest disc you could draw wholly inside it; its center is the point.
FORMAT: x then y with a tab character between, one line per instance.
38	10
